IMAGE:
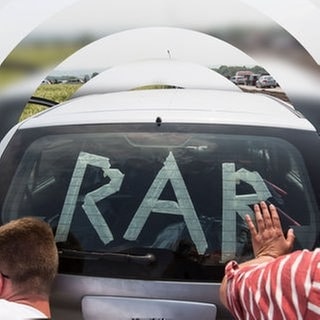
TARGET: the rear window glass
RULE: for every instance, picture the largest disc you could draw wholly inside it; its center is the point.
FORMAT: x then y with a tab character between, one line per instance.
158	205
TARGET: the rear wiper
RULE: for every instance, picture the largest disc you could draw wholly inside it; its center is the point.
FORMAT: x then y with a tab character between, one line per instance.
42	101
114	256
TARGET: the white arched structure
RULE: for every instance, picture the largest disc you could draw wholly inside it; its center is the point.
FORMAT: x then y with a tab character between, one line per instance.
156	72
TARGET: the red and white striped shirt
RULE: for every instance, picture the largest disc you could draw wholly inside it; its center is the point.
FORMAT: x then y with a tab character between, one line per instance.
285	288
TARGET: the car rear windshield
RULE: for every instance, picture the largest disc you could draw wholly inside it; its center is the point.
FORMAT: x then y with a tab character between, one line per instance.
158	205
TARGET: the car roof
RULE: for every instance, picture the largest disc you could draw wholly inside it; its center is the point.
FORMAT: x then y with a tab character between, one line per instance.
173	105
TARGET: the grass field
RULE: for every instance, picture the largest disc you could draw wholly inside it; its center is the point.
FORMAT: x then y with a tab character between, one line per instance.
26	59
55	92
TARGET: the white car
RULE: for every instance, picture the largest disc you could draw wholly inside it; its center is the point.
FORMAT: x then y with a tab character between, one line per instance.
146	192
238	80
266	82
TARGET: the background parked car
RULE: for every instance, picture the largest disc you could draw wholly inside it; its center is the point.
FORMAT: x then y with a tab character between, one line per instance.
266	82
238	80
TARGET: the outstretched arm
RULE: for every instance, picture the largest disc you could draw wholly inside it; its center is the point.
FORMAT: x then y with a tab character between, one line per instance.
268	239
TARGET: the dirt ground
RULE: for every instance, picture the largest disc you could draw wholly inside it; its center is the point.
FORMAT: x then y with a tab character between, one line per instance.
275	93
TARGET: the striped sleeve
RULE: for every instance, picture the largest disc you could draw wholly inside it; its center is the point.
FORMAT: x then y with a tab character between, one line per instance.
285	288
313	290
